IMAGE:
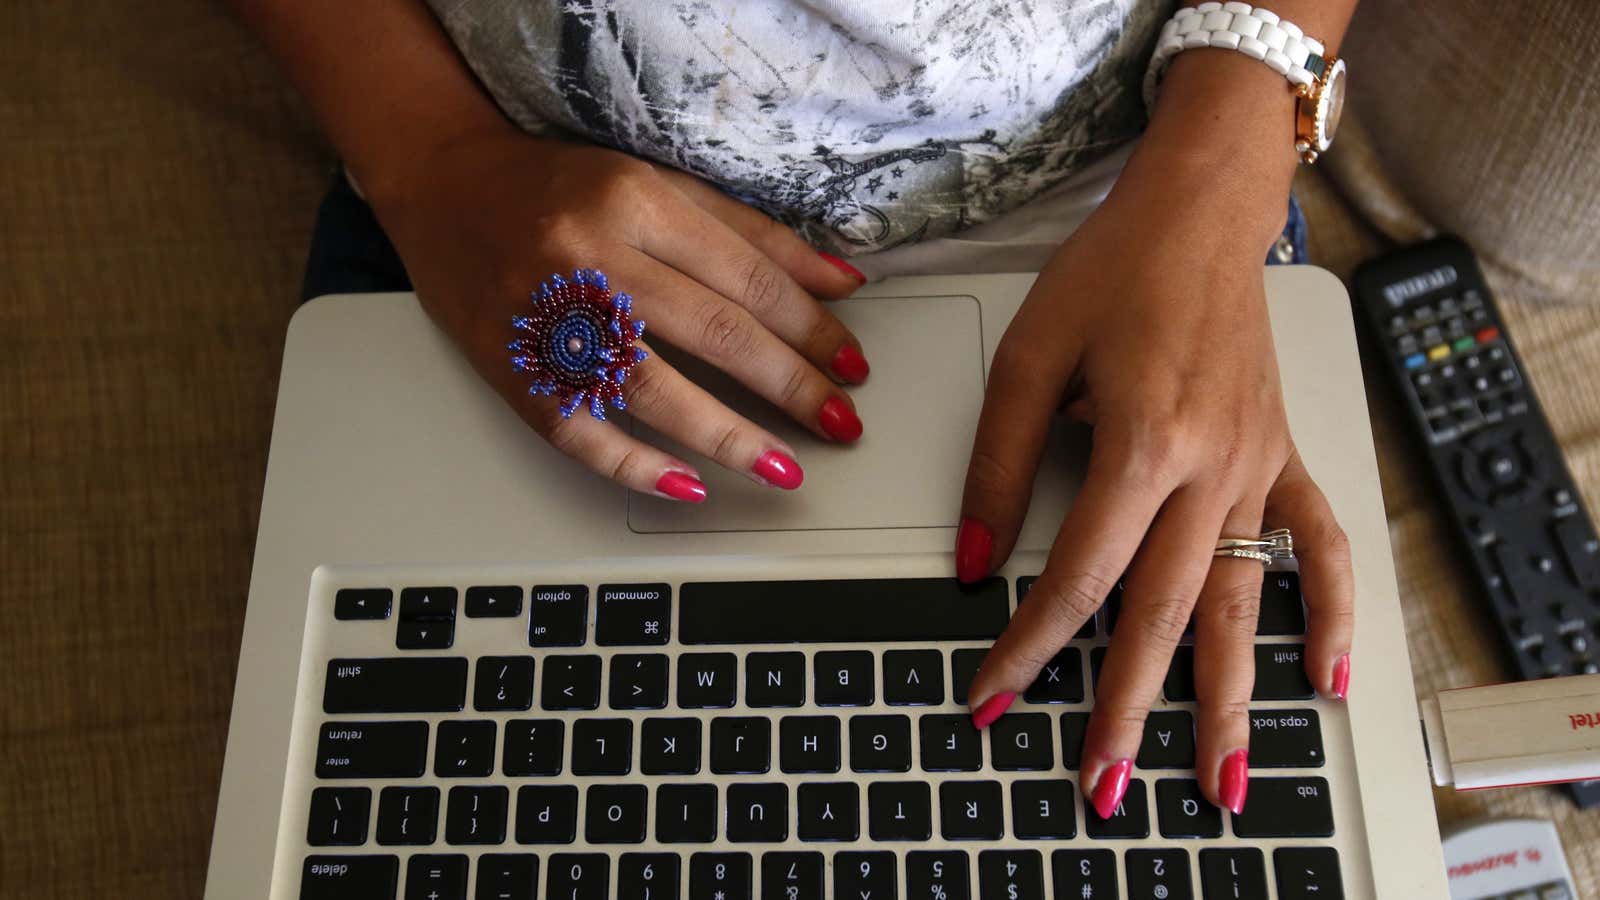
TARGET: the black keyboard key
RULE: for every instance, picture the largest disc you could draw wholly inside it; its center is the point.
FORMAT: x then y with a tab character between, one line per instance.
395	685
844	678
1021	742
1042	810
497	602
1158	875
686	813
571	682
937	875
646	876
1097	661
1131	818
899	811
758	813
426	635
913	677
1010	875
1307	873
792	876
338	817
1285	738
639	681
362	603
506	876
829	811
949	743
1060	681
669	747
408	815
503	683
1179	685
1073	728
1084	873
1025	584
1168	741
880	744
578	876
1281	673
868	875
1281	609
547	814
1235	873
720	876
1286	807
533	747
425	603
775	679
372	749
558	616
963	668
741	745
464	749
615	813
349	878
632	614
436	876
1183	812
706	680
602	747
808	744
843	611
476	815
970	810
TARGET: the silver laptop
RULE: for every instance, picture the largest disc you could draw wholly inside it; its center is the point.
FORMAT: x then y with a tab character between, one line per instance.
470	669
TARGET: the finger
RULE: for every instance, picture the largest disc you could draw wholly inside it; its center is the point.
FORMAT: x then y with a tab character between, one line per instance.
1100	534
692	317
1224	636
661	397
708	251
1296	503
1161	591
1019	404
822	275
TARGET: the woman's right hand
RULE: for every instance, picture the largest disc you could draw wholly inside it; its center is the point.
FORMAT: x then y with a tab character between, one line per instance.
484	220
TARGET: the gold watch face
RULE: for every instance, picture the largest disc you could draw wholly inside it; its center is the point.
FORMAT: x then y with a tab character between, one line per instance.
1330	106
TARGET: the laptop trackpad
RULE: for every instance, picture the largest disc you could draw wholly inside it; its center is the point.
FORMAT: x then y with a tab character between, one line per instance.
919	409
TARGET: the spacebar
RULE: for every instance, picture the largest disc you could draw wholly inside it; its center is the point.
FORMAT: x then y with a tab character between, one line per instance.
846	611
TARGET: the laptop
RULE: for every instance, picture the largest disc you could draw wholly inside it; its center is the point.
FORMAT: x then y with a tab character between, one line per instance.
470	669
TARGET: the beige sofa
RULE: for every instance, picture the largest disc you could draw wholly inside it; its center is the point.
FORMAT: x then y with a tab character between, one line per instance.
157	184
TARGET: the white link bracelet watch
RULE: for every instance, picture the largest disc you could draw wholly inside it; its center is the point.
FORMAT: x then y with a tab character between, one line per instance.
1317	79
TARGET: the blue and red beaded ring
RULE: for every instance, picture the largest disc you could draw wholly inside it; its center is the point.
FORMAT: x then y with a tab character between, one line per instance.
579	342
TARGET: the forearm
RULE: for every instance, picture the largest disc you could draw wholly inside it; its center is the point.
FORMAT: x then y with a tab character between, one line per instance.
382	78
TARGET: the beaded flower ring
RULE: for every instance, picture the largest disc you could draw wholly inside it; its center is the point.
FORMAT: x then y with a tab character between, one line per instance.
578	343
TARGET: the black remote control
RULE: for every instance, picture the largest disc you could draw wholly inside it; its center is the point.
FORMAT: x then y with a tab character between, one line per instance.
1516	508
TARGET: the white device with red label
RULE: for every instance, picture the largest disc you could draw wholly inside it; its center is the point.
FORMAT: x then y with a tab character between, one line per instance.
1507	859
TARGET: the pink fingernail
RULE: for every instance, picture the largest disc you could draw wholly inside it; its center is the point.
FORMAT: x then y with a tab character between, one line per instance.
683	487
1113	784
844	267
974	547
991	709
839	420
1341	677
779	470
1233	782
850	365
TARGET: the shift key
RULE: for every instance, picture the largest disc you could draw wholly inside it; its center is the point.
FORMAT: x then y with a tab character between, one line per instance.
398	684
1281	673
372	749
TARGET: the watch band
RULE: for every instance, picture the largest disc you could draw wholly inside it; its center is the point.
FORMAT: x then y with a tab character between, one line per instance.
1257	33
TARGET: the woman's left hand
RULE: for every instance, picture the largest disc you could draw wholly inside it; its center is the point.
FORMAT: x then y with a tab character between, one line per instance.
1150	324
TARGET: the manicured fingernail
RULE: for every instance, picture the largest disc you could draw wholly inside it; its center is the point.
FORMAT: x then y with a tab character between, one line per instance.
683	487
844	267
839	421
991	709
779	470
1233	782
850	365
1341	677
974	544
1112	785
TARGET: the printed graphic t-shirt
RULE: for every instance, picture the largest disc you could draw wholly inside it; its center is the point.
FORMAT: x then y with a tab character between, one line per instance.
865	124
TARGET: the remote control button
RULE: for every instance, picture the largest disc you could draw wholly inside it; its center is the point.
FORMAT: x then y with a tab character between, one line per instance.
1580	548
1422	313
1486	335
1406	344
1416	361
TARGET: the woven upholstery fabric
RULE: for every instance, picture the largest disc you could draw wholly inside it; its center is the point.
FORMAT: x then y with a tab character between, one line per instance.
157	185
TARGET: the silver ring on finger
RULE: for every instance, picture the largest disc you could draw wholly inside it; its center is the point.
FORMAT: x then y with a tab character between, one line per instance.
1270	546
577	344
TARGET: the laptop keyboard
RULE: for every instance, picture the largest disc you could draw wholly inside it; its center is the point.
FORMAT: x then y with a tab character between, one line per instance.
782	740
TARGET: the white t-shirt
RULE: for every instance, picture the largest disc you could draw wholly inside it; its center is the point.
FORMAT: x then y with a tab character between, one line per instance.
934	135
